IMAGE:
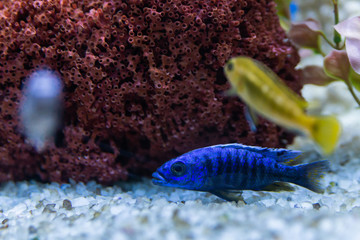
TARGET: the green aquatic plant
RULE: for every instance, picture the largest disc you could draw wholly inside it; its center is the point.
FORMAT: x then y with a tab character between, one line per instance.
342	63
283	12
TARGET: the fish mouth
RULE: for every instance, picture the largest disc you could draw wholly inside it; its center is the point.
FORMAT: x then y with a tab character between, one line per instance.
158	179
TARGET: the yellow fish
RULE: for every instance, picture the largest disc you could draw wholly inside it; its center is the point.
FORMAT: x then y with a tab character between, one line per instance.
263	91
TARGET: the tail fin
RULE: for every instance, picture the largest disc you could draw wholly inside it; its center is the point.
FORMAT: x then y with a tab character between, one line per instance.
310	175
326	132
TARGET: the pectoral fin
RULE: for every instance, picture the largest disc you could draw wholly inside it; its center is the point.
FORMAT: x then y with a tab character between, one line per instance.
229	195
231	92
251	118
278	187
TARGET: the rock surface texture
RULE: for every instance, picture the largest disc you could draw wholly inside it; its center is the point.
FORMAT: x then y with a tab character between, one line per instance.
143	81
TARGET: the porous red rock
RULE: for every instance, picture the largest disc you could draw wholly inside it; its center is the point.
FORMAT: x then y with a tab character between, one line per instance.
143	81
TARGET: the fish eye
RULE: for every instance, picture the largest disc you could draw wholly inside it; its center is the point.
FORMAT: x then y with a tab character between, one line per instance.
230	66
178	169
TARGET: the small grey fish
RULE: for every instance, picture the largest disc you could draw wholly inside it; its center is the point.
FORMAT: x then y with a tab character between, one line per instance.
225	170
41	107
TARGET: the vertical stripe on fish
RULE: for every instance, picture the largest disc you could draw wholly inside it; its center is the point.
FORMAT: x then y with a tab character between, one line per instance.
229	168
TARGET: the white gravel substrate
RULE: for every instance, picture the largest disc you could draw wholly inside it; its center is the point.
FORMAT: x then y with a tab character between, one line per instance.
139	210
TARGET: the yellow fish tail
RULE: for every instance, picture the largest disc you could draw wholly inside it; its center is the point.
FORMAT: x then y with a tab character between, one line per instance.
326	132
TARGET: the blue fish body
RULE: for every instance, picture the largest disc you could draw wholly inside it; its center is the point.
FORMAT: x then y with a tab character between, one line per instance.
222	168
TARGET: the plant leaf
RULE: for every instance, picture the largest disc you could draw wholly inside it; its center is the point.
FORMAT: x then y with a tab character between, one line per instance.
349	28
283	12
283	8
353	52
284	23
354	79
306	34
315	75
336	65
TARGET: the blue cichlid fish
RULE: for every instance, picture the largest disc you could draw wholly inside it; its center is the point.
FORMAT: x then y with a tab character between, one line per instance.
265	94
225	170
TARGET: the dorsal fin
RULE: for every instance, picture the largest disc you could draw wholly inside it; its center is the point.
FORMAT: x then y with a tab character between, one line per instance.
276	79
278	154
